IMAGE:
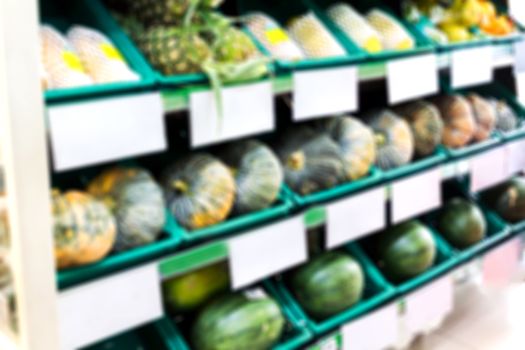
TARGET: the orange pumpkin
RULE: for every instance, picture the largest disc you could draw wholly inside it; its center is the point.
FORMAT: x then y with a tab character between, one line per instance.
458	116
485	115
84	229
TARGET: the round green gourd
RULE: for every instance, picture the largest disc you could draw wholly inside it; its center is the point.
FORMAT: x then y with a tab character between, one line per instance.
137	202
199	190
395	142
190	291
356	142
508	199
462	223
311	161
426	125
405	251
328	284
238	321
258	175
84	229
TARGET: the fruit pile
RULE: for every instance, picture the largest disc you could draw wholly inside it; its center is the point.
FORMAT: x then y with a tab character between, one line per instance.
460	20
220	319
122	209
83	57
375	32
183	36
323	154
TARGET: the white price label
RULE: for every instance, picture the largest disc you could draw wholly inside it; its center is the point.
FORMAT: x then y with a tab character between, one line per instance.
325	92
362	333
501	264
488	169
92	132
519	55
416	195
413	77
246	110
356	216
516	157
520	86
428	304
132	298
517	10
266	251
472	66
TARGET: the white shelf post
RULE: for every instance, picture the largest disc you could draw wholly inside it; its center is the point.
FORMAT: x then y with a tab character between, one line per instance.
24	147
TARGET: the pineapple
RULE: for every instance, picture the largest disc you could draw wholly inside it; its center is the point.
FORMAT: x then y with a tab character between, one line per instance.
233	45
102	60
173	51
131	25
273	37
60	61
355	26
151	12
314	39
393	35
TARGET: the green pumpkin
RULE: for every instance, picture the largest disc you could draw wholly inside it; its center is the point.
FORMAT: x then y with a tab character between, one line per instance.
405	251
311	161
258	175
328	284
395	142
199	190
426	125
462	223
137	202
238	321
508	199
84	229
356	142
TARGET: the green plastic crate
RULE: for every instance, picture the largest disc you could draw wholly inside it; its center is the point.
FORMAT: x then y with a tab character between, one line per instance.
483	41
119	261
500	92
92	14
295	335
516	227
375	177
377	291
285	10
423	45
133	340
445	261
278	210
497	230
418	165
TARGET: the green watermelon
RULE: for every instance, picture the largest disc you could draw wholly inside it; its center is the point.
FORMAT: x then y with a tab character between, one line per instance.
328	284
190	291
405	251
508	199
462	223
238	321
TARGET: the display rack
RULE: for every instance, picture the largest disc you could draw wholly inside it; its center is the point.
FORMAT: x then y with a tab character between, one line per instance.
77	309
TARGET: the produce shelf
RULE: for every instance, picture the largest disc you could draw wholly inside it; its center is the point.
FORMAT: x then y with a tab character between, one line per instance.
497	230
377	291
295	335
